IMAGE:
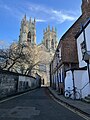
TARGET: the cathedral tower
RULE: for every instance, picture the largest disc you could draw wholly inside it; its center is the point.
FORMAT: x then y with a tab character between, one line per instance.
28	31
50	38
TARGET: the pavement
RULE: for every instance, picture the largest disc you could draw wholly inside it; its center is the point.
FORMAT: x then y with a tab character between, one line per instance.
77	105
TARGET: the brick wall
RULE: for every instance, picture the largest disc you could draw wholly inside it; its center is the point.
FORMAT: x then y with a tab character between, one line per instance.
69	47
85	8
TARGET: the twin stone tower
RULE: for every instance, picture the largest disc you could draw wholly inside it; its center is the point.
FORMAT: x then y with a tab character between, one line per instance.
28	34
46	48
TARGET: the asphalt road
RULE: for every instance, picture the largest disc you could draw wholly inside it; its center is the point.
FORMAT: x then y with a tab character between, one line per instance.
35	105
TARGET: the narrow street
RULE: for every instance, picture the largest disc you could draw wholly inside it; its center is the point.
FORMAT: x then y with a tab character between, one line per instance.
35	105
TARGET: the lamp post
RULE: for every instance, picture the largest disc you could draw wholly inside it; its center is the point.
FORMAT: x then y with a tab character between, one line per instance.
57	57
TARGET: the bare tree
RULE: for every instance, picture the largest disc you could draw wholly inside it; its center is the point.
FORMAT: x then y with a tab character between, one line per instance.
3	58
19	58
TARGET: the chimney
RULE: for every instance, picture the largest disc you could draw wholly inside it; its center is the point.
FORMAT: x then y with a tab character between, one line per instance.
86	8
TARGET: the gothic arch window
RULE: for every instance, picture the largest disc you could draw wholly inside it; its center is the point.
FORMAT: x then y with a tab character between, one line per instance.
52	44
29	36
47	43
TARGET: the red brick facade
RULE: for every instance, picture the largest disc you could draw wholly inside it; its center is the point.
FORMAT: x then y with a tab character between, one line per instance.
69	48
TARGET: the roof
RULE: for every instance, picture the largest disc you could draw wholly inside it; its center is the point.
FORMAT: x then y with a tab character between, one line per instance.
71	27
83	27
68	31
42	47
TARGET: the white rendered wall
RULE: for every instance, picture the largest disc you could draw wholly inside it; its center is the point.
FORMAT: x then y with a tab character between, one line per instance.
80	80
80	39
68	80
22	78
85	80
31	81
87	35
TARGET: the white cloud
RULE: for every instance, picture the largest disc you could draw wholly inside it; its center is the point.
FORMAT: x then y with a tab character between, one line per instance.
7	7
44	13
40	20
3	44
13	11
4	6
61	17
52	14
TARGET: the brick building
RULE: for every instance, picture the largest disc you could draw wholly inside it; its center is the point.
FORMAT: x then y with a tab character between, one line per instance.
66	56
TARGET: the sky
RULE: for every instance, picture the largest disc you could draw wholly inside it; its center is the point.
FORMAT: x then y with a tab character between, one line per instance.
58	13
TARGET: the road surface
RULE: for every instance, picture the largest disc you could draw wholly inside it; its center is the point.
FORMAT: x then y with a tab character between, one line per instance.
35	105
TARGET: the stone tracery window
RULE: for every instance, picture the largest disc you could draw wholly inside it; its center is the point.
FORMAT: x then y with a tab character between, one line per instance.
47	43
52	44
29	36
